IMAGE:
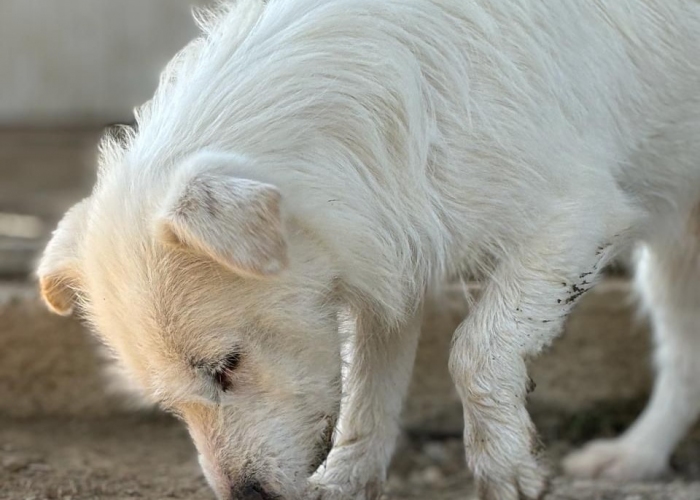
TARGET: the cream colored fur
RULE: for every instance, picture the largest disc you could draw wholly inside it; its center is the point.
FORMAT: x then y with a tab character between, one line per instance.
310	161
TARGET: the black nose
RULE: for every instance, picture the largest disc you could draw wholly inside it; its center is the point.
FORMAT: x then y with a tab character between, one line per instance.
251	491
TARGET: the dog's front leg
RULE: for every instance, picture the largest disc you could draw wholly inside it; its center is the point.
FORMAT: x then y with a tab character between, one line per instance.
522	309
374	386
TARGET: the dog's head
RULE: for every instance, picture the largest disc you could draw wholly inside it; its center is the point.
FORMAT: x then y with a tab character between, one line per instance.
218	307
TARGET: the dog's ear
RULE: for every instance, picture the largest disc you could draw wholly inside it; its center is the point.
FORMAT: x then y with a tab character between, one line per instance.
58	269
237	222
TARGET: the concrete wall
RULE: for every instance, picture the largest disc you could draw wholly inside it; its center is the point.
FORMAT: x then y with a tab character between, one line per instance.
79	62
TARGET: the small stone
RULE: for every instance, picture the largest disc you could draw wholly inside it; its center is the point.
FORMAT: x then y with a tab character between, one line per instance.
38	467
15	463
433	475
436	451
429	476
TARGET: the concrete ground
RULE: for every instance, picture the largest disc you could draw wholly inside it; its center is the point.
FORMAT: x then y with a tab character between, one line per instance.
64	436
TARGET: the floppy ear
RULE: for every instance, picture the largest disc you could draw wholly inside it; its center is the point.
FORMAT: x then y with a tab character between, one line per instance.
58	268
236	222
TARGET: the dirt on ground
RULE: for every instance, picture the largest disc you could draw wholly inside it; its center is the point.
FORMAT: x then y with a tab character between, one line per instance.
151	457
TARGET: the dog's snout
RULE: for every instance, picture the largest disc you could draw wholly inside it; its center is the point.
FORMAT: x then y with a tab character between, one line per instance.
251	491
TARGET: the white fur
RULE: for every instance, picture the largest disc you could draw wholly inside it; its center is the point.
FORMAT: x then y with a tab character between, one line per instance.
410	141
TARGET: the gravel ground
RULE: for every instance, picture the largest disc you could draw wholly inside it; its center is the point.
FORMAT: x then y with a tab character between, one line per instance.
151	457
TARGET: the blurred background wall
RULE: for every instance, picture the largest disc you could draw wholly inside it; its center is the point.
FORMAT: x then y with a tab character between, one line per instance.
85	62
67	69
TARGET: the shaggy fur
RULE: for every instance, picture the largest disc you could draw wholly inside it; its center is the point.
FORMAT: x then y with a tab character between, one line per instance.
307	161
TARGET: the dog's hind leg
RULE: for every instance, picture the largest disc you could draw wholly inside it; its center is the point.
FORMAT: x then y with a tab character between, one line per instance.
668	279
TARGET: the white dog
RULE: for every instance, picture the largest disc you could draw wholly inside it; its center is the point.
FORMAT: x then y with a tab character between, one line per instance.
309	159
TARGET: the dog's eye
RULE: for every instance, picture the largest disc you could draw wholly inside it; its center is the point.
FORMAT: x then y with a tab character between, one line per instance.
226	367
231	362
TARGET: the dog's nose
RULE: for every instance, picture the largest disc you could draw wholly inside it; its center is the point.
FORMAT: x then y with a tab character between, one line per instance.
250	491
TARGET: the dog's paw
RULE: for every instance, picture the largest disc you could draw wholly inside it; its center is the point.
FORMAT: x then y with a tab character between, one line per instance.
501	447
524	481
351	472
320	490
615	460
